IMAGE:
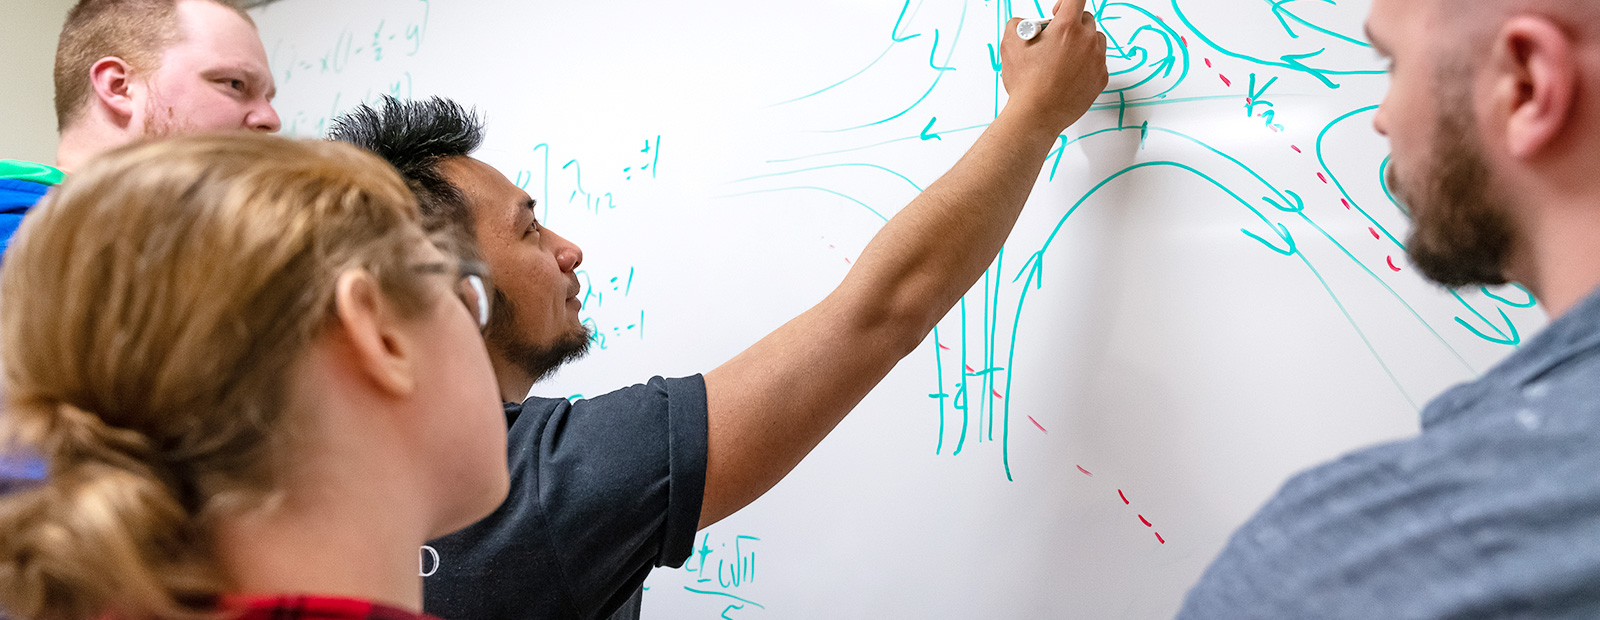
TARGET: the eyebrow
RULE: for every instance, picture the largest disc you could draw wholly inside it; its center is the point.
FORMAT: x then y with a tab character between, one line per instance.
527	207
255	78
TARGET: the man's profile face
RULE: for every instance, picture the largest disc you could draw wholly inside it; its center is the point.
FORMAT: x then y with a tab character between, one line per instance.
1462	233
215	79
536	324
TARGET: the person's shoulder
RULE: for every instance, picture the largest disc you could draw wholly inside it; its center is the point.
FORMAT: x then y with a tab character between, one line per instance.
32	172
602	488
536	405
22	185
1313	503
641	398
1462	516
1320	523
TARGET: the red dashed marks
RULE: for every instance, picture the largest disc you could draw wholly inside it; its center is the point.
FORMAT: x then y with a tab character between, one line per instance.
1345	201
1184	39
997	395
1225	80
1143	520
835	248
1321	176
945	348
969	368
1085	471
1037	425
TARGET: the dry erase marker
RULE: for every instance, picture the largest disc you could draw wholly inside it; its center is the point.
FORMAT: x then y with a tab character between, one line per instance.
1030	28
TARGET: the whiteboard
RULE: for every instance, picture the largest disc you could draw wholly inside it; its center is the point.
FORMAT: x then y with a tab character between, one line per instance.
1207	293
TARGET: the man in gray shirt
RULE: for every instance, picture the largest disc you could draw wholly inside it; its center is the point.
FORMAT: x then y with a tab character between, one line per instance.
1493	116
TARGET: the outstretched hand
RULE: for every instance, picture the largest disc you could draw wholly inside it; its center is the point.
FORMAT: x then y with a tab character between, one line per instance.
1056	76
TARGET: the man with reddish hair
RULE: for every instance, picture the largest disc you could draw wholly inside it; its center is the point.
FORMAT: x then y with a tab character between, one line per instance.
132	68
127	69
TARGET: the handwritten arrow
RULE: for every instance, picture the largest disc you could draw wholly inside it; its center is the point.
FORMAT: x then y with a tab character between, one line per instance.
1292	61
1298	206
1033	269
1513	339
1165	65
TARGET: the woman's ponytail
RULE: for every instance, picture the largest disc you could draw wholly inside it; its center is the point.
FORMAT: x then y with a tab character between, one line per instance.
106	535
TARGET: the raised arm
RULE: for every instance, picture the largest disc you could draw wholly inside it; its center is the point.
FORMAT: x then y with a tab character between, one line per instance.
770	405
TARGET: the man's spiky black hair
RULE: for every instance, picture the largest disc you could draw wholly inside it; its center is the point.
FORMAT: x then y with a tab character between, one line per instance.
414	137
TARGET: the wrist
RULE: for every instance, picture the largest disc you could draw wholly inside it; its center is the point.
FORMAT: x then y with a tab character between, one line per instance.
1030	120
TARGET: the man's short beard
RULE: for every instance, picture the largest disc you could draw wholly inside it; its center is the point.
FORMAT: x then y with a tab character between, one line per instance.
1462	233
161	121
533	359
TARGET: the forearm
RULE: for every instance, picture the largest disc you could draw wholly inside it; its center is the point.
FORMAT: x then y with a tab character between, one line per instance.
932	252
829	358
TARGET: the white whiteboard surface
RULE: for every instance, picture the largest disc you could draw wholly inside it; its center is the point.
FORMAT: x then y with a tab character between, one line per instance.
1206	294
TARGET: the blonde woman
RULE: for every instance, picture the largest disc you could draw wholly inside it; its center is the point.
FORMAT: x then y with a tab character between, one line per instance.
257	386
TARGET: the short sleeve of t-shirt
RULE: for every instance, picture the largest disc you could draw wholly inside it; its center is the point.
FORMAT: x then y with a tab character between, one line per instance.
602	491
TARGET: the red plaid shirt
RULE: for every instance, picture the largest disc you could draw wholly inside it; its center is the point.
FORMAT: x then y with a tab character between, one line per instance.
315	608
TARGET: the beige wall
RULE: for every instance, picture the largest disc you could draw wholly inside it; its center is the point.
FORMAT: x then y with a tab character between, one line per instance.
28	30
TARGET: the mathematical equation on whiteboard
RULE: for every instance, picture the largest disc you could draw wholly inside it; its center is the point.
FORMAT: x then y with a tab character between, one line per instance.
368	60
361	63
721	574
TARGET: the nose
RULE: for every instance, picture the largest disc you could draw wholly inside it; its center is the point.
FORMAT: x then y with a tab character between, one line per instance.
568	255
264	119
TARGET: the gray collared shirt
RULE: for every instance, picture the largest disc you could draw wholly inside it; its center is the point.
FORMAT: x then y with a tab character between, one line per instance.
1492	512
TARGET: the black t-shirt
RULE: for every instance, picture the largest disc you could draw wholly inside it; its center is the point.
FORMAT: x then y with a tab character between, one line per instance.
602	491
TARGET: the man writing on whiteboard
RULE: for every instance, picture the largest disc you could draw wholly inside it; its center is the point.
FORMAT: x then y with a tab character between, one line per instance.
1493	116
606	488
